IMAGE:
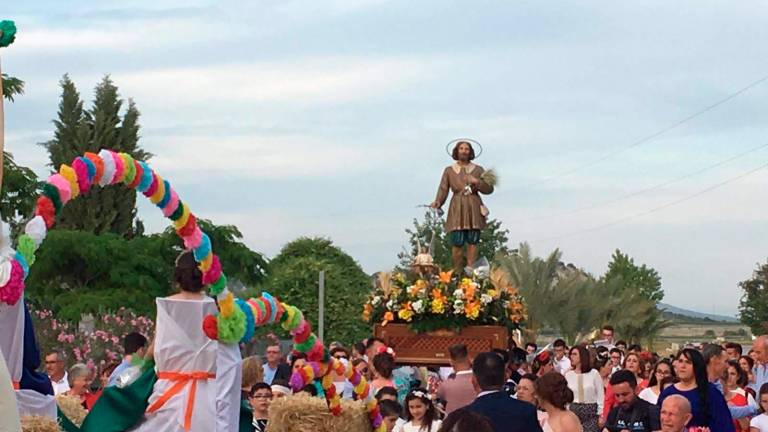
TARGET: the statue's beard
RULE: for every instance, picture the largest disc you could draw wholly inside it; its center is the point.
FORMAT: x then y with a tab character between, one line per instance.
464	158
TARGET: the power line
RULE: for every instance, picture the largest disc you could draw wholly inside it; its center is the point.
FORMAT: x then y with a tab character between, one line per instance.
655	209
651	136
642	191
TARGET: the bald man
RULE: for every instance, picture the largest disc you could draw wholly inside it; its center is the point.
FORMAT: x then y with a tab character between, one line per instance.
760	348
675	414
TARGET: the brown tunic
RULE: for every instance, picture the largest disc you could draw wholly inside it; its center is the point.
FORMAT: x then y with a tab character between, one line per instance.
464	210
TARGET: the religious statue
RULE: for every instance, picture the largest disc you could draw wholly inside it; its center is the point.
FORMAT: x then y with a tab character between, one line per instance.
466	212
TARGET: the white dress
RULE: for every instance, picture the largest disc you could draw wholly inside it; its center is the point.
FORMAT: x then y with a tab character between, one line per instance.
181	346
409	427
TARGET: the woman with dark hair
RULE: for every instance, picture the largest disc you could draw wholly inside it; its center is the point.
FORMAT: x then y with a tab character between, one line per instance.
661	370
707	403
554	395
734	385
587	387
184	354
464	420
383	365
747	364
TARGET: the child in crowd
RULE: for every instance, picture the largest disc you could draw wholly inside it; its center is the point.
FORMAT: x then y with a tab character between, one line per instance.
260	398
420	413
390	413
760	423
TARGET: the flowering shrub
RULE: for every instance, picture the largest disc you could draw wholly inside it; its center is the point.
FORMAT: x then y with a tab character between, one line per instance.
96	348
445	301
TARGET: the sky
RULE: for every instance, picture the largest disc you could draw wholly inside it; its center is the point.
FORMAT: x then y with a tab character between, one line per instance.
297	118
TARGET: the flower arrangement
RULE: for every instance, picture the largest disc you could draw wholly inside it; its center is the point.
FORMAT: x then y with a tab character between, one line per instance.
446	301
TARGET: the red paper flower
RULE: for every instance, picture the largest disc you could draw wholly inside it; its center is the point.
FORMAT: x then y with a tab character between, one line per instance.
211	327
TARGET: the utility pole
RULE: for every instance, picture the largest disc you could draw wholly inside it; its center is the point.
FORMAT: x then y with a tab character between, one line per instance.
321	306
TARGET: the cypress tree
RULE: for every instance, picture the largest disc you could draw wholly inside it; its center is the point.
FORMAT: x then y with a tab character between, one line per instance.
111	209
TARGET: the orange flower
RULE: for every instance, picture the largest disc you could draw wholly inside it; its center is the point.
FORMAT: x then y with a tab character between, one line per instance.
418	287
472	310
469	288
388	316
445	277
437	294
367	309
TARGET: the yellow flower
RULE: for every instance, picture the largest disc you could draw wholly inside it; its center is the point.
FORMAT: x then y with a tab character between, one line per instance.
405	314
493	293
438	306
472	310
399	277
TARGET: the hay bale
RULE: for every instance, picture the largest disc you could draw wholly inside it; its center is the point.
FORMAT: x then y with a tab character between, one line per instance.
72	407
302	412
39	424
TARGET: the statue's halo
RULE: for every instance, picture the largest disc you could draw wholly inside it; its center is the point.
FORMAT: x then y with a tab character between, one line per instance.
476	145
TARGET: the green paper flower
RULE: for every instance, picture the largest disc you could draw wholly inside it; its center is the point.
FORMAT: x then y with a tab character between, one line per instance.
7	33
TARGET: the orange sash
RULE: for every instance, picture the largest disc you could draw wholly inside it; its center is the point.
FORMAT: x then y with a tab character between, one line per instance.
16	385
181	379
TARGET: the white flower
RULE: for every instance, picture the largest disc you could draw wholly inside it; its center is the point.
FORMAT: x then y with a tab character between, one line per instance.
418	306
458	306
485	299
391	304
376	300
459	294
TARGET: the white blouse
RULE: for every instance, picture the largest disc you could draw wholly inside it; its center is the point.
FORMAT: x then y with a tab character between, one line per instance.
649	396
587	388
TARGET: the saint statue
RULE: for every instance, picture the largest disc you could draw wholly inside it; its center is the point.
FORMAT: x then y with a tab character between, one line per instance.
466	212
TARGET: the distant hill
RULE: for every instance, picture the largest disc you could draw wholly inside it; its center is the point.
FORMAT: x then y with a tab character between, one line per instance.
676	313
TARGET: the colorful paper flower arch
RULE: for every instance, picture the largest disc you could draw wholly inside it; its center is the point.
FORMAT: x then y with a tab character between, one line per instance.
237	319
110	168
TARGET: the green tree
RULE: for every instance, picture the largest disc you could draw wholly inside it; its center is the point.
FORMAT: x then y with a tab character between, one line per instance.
104	210
642	278
753	307
79	272
19	193
239	262
12	87
493	241
294	279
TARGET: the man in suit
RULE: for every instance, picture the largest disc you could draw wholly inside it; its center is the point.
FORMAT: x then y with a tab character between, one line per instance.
505	413
275	368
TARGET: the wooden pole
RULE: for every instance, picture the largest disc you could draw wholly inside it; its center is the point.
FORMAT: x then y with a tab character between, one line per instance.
2	127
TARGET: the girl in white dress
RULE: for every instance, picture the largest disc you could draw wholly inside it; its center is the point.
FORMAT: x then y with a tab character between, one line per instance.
420	413
184	396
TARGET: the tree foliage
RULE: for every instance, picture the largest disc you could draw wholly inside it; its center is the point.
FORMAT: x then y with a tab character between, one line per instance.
111	209
493	241
12	87
575	303
294	279
642	278
79	272
753	306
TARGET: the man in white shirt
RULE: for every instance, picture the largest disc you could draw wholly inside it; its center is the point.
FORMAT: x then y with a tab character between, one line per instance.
54	366
562	362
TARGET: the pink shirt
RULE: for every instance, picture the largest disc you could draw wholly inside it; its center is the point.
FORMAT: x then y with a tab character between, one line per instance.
458	392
